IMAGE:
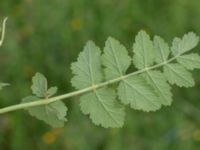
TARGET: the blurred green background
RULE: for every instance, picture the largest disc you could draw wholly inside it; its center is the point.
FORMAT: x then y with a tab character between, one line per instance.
46	36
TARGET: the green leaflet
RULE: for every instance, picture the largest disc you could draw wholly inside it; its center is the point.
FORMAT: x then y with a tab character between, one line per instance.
136	92
144	54
115	59
189	61
103	108
176	74
161	48
87	69
52	114
159	83
39	86
2	85
188	42
51	91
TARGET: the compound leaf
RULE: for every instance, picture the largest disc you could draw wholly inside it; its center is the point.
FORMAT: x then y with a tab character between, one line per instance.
177	74
115	59
52	114
159	82
146	89
87	69
143	50
102	107
189	61
161	48
140	95
188	42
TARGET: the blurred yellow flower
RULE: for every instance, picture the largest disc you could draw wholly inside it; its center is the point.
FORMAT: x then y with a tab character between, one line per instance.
50	136
196	135
76	24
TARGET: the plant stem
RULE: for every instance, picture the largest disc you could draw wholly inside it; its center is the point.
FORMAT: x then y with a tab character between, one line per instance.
3	31
79	92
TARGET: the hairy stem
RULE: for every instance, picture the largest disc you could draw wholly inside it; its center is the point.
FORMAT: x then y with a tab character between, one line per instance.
79	92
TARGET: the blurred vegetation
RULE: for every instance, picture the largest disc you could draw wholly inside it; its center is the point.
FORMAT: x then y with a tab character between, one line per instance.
46	36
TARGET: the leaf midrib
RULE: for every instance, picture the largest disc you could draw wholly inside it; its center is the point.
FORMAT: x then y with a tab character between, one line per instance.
163	95
172	69
115	58
105	108
143	95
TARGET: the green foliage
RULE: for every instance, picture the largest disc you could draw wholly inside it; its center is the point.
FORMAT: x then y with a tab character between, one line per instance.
48	41
3	85
190	61
53	113
159	83
146	89
177	74
144	53
87	69
188	42
139	94
103	108
161	48
40	87
115	58
100	104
